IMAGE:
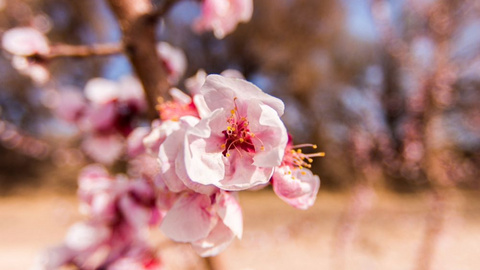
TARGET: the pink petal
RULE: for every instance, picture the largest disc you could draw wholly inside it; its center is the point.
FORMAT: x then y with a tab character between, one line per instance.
194	83
189	219
181	172
135	145
219	92
100	118
100	90
218	240
174	60
82	236
158	135
71	105
203	160
136	215
104	148
241	174
131	91
25	41
230	211
272	134
168	152
179	96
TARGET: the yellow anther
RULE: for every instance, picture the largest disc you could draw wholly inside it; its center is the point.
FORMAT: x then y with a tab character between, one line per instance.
292	151
314	146
303	173
262	148
241	140
233	129
245	124
252	134
322	154
299	151
228	154
229	128
223	146
310	160
232	111
300	167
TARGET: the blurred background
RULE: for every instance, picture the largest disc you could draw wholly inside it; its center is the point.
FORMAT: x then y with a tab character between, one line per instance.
388	89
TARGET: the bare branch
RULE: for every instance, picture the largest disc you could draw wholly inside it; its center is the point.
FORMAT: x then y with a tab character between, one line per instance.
64	50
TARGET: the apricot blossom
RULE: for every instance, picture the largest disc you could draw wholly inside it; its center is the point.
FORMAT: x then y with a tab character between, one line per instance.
241	142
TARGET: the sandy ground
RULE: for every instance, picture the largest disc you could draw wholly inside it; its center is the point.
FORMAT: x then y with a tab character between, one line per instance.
276	236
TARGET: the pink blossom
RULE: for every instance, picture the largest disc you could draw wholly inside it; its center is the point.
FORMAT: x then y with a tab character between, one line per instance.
119	212
127	89
238	145
292	181
297	187
217	219
103	196
28	46
222	16
174	61
109	116
90	246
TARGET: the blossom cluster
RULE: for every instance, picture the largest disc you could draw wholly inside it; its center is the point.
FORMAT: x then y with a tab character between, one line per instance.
226	137
185	173
115	234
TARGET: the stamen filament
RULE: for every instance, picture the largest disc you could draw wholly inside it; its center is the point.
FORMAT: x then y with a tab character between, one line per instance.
303	145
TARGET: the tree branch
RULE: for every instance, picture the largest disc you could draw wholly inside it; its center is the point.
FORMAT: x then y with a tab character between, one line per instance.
138	20
64	50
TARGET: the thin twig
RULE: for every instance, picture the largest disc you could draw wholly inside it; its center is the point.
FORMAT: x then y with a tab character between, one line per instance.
64	50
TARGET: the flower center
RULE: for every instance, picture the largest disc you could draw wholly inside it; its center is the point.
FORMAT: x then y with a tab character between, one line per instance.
238	135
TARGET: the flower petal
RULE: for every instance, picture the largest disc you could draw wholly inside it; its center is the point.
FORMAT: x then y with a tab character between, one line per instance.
219	92
189	219
219	239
